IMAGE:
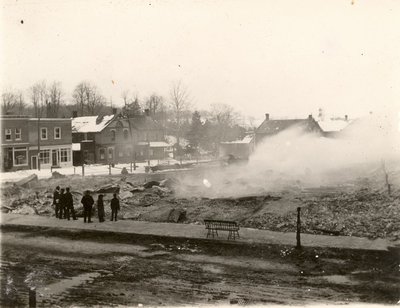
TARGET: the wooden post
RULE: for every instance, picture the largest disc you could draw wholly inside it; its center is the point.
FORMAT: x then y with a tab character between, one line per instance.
298	244
32	297
83	169
134	162
109	169
131	167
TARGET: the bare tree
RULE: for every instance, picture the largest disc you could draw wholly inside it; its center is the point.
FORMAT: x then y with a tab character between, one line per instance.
8	102
55	95
179	103
154	103
88	99
125	97
38	93
79	96
20	104
95	101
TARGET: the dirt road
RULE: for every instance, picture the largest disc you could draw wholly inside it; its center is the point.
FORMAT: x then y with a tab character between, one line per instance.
72	268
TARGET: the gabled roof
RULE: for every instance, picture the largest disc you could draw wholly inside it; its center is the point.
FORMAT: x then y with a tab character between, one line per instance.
334	125
272	127
246	140
90	124
144	123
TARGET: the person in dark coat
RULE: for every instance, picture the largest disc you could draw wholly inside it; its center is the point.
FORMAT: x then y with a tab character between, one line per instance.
61	213
69	206
87	201
114	207
100	208
56	200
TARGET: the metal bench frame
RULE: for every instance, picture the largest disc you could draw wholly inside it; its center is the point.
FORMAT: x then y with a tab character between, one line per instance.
213	226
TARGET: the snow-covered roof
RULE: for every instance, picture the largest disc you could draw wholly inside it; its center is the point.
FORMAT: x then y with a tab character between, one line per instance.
90	124
155	144
333	125
245	140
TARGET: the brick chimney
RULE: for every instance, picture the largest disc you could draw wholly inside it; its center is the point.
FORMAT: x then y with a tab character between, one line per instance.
346	117
310	117
267	116
74	114
147	112
114	111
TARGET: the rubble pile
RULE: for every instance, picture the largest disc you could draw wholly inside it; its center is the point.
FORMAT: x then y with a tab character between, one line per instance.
337	210
363	213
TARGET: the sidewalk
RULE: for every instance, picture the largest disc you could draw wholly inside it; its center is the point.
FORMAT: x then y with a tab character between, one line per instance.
191	231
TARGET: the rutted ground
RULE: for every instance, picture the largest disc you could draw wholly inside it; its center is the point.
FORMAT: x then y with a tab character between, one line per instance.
72	269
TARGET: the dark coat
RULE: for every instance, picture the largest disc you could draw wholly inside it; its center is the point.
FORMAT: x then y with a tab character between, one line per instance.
69	201
56	197
63	201
100	208
115	204
87	201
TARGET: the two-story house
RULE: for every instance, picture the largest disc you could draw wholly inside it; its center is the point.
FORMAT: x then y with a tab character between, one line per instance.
117	139
23	136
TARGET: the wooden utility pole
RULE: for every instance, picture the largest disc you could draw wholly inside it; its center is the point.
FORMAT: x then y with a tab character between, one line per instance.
298	243
39	136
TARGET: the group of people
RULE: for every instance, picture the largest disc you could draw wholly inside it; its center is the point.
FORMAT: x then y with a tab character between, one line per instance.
64	205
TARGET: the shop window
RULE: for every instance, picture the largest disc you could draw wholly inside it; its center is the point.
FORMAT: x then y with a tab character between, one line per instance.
17	134
8	133
110	153
65	155
102	153
45	156
57	132
20	156
43	133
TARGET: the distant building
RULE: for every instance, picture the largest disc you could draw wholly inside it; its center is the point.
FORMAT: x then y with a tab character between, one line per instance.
239	149
117	139
270	127
19	142
333	127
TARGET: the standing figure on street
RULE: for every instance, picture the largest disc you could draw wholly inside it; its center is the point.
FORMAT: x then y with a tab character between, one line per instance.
87	201
61	213
100	208
70	211
56	200
114	207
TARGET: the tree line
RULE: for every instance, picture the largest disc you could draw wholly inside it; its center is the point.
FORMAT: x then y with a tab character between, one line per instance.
176	113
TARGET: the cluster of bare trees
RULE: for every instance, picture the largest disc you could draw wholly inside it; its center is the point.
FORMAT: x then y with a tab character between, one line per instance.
88	99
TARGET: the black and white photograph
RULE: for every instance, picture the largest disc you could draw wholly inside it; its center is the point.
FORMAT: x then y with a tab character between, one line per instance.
186	153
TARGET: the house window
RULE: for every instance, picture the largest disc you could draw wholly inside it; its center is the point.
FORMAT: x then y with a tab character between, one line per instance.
102	153
65	155
43	133
8	134
17	134
126	134
110	153
45	156
151	152
120	153
128	152
112	135
20	156
57	132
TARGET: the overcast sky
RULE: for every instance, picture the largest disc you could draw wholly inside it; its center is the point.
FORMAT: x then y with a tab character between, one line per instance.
287	58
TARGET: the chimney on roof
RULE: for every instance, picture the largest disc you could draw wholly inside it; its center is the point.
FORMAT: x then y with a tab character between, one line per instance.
310	117
99	119
114	111
346	117
74	114
147	112
267	116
